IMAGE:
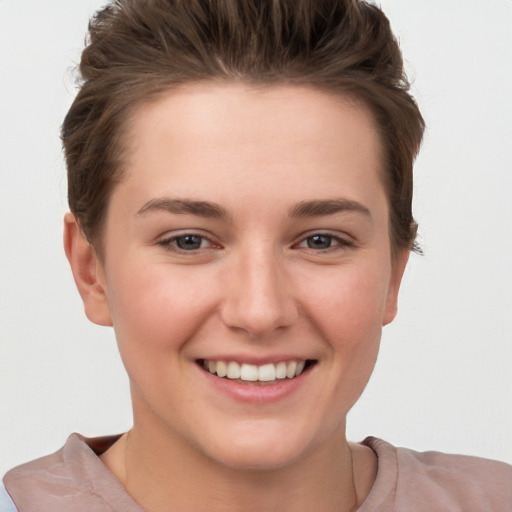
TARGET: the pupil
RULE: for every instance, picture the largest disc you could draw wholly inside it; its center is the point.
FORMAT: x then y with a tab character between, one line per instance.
319	242
189	242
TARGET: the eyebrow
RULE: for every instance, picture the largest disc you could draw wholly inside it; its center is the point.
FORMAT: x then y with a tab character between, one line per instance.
320	207
185	206
313	208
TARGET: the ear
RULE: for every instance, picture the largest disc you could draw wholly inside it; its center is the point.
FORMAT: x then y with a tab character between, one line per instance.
397	271
87	272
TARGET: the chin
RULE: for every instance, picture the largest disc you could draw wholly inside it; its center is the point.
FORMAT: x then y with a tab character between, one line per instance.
251	458
262	448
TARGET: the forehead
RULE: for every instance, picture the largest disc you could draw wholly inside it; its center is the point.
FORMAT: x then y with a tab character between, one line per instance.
284	123
202	137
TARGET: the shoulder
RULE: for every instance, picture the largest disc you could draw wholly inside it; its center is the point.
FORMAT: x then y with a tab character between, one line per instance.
439	481
72	479
64	467
6	503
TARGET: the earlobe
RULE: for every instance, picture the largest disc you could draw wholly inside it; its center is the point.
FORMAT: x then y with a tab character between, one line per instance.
87	272
397	272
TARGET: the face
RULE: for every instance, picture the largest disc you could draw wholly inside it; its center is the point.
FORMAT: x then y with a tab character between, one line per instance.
249	236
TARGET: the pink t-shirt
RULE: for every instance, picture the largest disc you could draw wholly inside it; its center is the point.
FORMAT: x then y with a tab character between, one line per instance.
75	480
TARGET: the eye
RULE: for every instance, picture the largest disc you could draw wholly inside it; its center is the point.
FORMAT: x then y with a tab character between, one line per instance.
190	242
319	241
187	242
324	242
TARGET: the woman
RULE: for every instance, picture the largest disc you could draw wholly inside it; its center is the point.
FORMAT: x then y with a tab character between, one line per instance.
240	186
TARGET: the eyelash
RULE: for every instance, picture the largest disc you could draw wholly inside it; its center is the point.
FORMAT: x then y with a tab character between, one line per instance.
335	243
339	243
171	243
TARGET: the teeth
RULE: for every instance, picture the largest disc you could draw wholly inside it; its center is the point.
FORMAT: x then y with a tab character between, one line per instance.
252	373
281	371
290	370
267	372
249	372
233	370
300	368
222	369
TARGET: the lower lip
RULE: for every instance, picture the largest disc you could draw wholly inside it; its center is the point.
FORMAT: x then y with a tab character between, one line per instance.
257	393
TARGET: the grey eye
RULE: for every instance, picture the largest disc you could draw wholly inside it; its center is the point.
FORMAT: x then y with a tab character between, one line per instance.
189	242
319	241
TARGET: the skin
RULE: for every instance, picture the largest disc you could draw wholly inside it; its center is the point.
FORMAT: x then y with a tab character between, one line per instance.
256	289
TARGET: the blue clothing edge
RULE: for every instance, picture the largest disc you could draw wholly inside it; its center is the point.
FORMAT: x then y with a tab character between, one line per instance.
6	503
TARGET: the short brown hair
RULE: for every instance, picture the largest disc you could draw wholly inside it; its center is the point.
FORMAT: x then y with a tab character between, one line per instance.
138	49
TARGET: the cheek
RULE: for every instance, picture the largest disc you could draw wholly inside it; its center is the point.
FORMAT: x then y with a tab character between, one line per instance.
348	311
349	305
154	309
155	312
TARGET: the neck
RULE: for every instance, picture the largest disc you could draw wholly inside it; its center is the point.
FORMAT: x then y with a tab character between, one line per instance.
164	475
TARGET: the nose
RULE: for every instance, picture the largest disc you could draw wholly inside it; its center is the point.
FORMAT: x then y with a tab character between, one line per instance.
259	297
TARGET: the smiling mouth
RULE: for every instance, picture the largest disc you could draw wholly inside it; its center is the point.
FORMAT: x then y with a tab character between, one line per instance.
251	373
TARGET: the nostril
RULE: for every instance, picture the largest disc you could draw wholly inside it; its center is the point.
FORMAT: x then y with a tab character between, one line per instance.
257	302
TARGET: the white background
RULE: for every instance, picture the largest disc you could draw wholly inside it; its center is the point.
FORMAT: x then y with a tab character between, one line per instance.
444	379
